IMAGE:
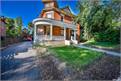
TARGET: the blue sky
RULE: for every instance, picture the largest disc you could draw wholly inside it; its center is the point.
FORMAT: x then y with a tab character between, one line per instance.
30	9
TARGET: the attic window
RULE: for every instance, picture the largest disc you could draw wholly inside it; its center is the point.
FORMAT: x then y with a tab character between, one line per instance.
47	5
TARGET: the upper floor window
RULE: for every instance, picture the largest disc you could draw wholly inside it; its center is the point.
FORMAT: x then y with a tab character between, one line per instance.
48	5
49	15
61	18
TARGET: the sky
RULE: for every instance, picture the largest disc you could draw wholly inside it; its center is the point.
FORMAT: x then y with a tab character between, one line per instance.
30	9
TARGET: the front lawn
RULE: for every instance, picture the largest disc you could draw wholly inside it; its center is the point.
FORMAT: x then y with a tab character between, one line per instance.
76	57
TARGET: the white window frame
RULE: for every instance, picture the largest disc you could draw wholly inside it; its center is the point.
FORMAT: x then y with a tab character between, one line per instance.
52	14
49	15
47	5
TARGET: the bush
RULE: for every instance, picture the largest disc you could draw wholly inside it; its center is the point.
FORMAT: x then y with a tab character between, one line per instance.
108	36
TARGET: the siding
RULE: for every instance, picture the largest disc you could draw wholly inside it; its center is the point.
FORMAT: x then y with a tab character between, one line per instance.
67	19
57	16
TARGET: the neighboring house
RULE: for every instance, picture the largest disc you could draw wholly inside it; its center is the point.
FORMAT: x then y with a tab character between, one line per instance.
56	23
2	28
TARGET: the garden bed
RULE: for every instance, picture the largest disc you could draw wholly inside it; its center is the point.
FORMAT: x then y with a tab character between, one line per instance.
107	68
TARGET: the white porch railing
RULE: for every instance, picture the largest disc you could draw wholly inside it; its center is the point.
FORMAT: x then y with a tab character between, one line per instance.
58	37
48	37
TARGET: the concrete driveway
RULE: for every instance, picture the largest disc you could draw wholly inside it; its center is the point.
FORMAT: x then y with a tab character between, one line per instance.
18	62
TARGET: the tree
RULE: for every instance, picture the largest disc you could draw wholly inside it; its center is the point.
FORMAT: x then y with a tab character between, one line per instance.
10	27
18	25
84	17
99	19
30	25
31	28
25	32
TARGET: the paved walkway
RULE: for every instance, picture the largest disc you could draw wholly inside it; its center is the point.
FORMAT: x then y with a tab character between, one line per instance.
19	63
100	50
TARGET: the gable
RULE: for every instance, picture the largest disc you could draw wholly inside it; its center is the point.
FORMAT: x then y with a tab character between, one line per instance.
66	9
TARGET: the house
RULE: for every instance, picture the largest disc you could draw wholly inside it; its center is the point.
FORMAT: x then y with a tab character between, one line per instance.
56	23
2	28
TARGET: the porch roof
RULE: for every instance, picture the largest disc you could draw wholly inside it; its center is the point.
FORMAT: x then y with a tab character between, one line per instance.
55	22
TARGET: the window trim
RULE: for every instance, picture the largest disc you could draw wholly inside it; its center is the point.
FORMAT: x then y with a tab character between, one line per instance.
52	14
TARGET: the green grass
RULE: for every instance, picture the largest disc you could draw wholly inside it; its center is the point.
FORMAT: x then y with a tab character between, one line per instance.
101	44
76	57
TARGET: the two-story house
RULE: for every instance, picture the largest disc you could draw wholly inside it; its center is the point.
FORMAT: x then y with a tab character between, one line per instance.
56	23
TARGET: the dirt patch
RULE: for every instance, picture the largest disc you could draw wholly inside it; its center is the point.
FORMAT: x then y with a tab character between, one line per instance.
49	70
51	67
107	68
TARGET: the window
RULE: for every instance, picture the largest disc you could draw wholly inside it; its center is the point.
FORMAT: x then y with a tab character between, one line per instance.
40	31
61	18
49	15
48	5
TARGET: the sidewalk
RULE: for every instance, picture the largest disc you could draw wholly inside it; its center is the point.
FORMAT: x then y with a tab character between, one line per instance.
100	50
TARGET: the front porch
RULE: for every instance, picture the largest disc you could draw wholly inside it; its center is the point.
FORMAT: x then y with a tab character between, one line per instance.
47	29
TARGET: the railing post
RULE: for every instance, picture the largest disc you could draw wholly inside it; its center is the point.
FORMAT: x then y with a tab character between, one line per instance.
34	33
51	32
74	34
64	33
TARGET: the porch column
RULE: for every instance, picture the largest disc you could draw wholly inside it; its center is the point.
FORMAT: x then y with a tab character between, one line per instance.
51	32
74	34
64	33
35	33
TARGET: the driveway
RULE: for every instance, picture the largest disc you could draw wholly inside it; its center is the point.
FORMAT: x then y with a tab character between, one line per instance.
18	62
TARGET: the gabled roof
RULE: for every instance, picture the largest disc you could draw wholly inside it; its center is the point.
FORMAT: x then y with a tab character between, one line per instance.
66	9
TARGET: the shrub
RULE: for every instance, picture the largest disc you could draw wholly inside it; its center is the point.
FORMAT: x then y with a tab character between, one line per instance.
108	36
